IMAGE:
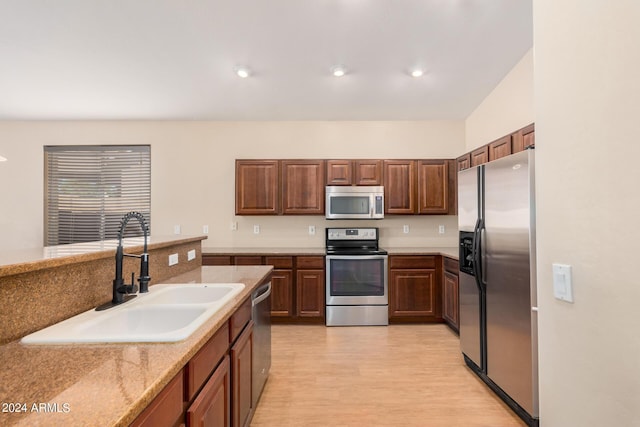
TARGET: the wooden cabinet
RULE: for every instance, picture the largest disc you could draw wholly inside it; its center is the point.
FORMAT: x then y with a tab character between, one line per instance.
303	183
399	186
414	290
450	294
282	302
354	172
310	285
212	407
241	354
257	187
166	409
433	187
523	138
419	187
500	148
480	156
463	162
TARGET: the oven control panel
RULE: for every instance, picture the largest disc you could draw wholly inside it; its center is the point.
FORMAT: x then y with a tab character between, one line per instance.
352	234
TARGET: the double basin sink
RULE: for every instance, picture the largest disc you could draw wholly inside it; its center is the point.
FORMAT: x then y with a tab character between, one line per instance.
167	313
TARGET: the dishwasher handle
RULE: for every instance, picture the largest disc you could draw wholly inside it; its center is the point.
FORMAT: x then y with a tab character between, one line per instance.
263	296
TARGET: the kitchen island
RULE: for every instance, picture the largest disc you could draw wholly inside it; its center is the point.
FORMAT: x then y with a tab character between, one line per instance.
107	384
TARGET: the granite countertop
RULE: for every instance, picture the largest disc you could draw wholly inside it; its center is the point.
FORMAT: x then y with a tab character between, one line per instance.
451	252
26	260
106	384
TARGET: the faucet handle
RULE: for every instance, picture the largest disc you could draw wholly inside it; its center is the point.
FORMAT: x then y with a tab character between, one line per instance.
131	288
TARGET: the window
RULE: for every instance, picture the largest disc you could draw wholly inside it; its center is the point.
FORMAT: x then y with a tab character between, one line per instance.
88	189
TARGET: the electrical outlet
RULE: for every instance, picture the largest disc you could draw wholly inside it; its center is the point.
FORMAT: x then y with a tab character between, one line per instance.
405	229
173	259
191	255
234	225
312	230
205	229
256	229
176	229
441	229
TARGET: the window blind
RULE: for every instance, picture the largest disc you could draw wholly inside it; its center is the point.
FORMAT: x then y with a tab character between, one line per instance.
89	188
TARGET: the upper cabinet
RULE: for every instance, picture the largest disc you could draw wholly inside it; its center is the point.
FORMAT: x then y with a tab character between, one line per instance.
480	156
463	162
303	187
257	187
400	187
433	186
419	187
500	148
354	172
524	138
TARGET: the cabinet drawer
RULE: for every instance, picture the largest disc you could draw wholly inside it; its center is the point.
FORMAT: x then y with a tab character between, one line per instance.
279	261
310	262
166	408
451	265
412	261
201	365
248	260
216	260
239	319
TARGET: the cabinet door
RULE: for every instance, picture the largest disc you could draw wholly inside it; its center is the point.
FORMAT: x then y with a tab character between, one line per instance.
368	172
433	187
241	354
166	409
339	172
399	186
500	148
463	162
528	137
282	302
216	260
450	297
412	294
480	156
257	187
310	293
212	407
303	187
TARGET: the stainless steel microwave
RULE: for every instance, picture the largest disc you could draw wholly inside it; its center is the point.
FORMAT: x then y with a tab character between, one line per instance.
362	202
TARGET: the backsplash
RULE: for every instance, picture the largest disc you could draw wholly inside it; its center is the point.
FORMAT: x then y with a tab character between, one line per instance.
37	299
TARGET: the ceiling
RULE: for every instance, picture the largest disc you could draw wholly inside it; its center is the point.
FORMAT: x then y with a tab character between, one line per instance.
175	59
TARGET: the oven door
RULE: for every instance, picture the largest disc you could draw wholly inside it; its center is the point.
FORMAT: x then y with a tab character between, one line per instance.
357	280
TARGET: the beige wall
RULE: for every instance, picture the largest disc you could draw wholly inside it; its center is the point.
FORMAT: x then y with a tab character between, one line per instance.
587	64
507	108
193	173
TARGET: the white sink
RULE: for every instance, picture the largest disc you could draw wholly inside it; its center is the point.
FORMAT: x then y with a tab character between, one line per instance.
167	313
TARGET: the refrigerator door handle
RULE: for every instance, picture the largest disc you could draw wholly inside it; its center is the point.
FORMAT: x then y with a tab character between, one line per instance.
475	254
482	259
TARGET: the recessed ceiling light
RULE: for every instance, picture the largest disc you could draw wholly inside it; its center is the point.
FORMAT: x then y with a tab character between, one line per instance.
243	72
3	159
417	72
338	71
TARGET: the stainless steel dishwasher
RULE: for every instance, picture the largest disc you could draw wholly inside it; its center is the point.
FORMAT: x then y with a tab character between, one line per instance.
261	353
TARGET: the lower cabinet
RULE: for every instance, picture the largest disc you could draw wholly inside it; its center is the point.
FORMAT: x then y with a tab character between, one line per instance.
414	289
241	354
450	293
297	284
212	407
214	386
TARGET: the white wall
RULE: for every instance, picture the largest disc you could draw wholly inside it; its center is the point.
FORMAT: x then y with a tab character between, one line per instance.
507	108
587	63
192	168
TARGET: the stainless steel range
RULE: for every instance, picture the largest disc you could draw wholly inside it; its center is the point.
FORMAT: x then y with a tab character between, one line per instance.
357	287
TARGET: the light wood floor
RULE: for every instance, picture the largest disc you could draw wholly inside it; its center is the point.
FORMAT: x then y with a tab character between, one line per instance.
409	375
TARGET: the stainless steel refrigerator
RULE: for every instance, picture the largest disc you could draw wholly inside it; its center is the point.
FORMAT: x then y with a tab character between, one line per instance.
498	305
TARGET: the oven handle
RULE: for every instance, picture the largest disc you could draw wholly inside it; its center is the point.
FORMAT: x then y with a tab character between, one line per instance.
357	257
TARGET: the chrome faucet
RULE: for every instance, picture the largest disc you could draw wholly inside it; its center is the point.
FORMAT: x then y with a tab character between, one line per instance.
120	289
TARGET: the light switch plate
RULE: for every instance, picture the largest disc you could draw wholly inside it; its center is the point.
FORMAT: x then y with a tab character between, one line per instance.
191	255
562	283
312	230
